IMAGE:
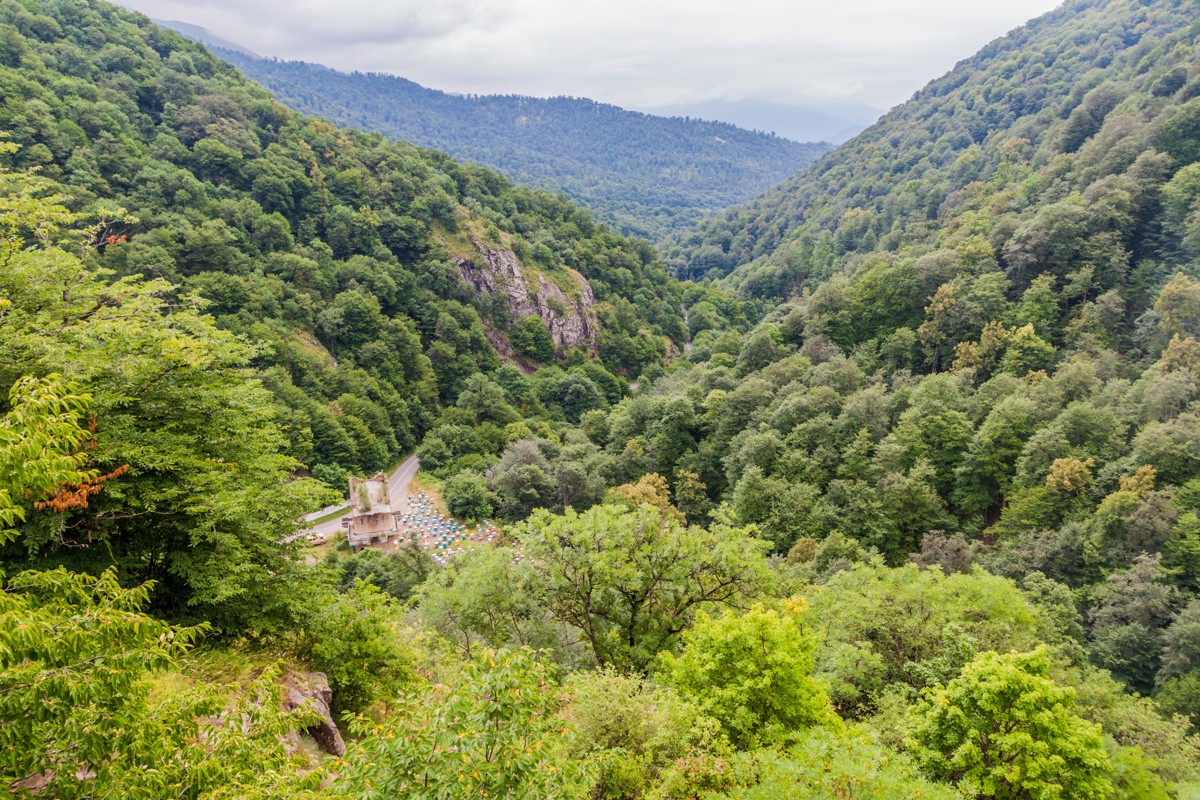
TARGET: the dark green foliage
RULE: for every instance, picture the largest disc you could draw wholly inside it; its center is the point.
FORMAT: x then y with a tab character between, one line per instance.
647	175
467	496
335	252
531	338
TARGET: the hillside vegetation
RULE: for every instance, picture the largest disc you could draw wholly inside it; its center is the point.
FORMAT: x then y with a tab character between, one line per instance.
646	175
340	254
1062	132
820	549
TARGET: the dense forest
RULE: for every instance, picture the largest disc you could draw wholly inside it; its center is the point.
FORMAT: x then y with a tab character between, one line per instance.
646	175
925	524
1075	110
340	255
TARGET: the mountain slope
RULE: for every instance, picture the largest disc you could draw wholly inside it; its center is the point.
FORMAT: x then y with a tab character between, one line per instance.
374	277
645	174
1064	104
988	356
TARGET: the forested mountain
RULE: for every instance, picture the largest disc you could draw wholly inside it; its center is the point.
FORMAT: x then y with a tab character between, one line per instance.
343	256
993	362
362	282
1060	130
645	174
928	528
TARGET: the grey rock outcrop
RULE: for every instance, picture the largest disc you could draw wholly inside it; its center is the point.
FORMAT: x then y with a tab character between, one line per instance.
310	691
497	272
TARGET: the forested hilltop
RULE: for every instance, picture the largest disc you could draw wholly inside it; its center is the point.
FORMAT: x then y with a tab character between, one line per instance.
373	277
646	175
1079	110
749	549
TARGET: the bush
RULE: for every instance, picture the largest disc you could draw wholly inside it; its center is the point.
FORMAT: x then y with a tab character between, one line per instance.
467	496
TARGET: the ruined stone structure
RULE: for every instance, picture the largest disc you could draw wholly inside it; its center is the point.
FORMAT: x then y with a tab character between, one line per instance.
372	517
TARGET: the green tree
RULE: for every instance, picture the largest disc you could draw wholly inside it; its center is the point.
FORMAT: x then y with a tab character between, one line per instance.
825	763
397	572
638	726
1178	306
1004	729
205	496
80	651
355	639
530	337
486	598
1025	351
905	629
1181	643
752	672
40	437
1130	610
467	496
493	732
631	580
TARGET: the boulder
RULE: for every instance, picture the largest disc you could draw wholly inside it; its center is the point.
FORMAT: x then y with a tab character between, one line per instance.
310	691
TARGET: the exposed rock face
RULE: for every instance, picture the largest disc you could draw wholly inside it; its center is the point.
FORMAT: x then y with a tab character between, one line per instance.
310	691
498	273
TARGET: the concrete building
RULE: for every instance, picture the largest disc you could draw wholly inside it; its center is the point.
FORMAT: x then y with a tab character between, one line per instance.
372	517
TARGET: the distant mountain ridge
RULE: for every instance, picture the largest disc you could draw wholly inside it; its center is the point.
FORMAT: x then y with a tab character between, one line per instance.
829	122
204	36
1065	104
645	174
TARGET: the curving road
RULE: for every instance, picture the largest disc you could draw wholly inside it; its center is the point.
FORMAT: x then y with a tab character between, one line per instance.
397	483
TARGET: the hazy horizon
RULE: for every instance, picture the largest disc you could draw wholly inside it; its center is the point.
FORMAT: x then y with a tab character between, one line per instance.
647	55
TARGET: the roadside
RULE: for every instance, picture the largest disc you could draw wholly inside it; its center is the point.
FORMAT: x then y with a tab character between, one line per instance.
328	521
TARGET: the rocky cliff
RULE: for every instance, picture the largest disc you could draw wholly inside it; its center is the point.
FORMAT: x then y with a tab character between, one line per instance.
568	315
310	691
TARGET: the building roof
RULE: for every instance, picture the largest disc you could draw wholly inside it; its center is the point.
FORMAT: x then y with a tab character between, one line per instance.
370	496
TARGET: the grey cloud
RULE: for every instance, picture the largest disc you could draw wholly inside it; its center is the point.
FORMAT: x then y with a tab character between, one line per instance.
638	53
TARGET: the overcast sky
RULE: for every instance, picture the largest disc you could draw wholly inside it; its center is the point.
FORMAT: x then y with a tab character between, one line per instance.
635	53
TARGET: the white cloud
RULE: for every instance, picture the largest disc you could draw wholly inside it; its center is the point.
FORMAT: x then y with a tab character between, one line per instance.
637	53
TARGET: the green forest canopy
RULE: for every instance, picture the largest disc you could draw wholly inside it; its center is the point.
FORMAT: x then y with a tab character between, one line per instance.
648	176
952	540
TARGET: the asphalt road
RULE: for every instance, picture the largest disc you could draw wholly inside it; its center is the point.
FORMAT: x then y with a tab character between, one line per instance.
397	482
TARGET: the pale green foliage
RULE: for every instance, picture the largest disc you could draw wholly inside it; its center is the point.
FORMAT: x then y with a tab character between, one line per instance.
829	764
77	716
1169	742
632	579
642	727
77	649
494	732
752	672
38	440
485	598
908	628
1004	729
